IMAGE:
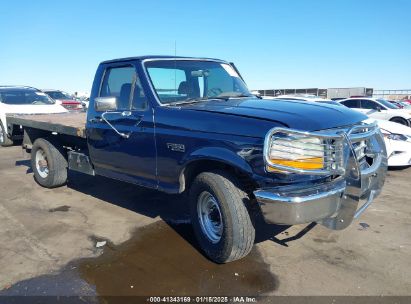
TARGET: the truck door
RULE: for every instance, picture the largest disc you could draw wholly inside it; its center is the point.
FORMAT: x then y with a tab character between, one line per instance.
121	141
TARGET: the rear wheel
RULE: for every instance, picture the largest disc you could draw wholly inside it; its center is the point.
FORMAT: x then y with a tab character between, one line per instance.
221	221
400	120
48	163
5	141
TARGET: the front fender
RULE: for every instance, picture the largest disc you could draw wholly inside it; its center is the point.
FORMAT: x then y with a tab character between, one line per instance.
401	114
218	155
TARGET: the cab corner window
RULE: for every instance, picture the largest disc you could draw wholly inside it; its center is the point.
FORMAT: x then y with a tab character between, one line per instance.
123	83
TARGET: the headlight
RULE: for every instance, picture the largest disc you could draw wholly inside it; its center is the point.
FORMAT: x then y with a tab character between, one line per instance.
394	136
302	153
299	152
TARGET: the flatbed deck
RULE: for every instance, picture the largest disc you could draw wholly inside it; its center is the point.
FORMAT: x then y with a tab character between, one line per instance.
73	123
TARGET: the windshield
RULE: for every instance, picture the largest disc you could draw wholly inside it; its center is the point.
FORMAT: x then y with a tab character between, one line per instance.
405	105
387	104
59	95
24	97
193	80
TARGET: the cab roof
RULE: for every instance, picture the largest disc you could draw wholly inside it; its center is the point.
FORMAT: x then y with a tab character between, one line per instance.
156	57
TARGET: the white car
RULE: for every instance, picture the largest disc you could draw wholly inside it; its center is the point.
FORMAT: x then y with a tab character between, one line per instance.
22	100
298	97
378	108
397	140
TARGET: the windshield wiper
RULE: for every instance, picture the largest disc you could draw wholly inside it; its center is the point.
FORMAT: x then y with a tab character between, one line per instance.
187	101
194	100
227	97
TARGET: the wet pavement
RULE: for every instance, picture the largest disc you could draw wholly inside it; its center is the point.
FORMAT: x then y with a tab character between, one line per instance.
160	259
164	260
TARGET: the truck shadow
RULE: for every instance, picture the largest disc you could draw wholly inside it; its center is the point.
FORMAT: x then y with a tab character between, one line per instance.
24	163
172	209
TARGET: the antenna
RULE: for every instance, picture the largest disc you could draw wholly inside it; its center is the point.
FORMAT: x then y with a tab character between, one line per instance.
175	68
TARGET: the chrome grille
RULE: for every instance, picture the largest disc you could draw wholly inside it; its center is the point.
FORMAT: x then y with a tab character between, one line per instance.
360	148
333	157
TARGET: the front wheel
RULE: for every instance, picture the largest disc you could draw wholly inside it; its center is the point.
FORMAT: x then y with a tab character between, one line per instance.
400	120
221	221
49	164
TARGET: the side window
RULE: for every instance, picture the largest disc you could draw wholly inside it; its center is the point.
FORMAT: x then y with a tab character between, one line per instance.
351	103
368	104
118	82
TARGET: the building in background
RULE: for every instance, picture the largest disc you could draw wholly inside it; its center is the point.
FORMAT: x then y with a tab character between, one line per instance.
339	93
393	94
278	92
331	93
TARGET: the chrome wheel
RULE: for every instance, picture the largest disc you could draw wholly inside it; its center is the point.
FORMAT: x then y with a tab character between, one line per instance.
41	163
209	216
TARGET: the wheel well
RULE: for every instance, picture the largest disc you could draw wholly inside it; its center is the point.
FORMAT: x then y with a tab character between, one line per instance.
399	118
196	167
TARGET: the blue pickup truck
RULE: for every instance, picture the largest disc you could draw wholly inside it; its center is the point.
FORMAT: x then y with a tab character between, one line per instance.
190	125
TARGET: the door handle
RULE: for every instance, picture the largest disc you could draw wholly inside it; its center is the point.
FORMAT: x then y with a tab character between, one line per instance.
130	114
95	120
137	118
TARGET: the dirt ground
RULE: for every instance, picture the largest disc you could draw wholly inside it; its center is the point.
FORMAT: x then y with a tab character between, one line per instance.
101	237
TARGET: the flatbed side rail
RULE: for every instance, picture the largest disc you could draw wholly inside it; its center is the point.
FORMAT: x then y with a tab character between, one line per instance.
68	124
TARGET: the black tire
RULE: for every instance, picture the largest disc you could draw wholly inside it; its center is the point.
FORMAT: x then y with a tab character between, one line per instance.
56	164
5	141
400	120
238	233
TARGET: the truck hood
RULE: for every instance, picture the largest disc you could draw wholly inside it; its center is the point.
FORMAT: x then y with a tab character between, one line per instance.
300	115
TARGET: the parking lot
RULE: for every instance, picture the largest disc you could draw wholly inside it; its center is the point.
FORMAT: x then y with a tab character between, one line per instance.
102	237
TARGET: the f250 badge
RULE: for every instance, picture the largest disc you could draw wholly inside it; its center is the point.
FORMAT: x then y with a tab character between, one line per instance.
176	147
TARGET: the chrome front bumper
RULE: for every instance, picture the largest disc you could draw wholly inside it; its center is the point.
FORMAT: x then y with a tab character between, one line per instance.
336	203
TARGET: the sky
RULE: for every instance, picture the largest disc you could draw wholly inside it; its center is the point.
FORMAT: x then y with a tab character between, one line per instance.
274	43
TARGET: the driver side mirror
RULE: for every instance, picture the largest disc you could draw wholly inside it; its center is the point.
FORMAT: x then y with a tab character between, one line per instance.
104	104
379	109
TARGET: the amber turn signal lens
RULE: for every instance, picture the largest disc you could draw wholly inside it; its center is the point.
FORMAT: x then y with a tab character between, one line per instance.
313	163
